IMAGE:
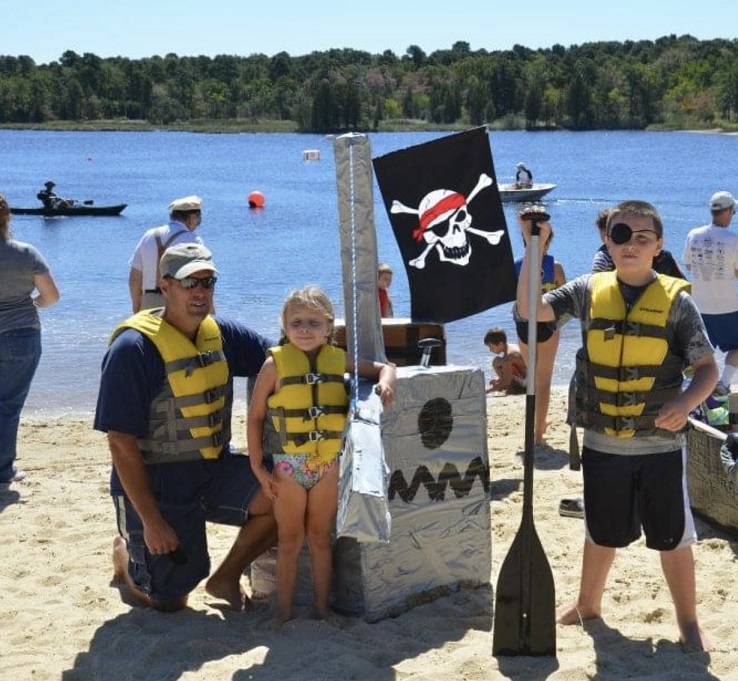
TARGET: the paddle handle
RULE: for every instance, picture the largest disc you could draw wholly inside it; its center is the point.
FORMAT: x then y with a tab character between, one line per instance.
534	294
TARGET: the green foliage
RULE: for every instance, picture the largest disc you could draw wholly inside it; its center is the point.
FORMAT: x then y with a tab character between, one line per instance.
673	82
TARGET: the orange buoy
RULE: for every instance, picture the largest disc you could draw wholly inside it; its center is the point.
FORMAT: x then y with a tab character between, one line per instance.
256	200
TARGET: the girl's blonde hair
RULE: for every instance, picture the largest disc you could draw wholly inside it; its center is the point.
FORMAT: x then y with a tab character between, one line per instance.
310	296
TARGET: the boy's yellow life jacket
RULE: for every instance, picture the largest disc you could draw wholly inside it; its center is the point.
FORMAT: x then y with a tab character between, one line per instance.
626	371
189	419
308	411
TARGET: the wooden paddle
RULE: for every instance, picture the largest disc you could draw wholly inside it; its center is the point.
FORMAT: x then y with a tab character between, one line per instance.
525	615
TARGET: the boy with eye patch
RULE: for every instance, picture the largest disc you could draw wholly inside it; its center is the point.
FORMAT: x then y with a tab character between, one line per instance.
640	330
663	263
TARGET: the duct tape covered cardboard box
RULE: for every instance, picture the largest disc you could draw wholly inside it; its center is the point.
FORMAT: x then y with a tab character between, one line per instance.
435	442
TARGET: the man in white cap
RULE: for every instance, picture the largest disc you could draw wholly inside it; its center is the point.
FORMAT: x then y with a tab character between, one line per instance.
711	256
165	402
523	177
185	215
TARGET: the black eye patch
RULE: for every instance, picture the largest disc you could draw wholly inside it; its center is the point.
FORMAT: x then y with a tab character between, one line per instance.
620	233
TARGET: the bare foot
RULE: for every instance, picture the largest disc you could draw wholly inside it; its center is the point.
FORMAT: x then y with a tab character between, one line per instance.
233	594
121	579
120	561
694	640
571	614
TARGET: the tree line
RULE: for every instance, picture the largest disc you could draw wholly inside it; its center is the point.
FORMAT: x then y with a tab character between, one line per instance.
672	82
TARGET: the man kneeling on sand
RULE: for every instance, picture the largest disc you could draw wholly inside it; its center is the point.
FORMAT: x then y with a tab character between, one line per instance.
165	402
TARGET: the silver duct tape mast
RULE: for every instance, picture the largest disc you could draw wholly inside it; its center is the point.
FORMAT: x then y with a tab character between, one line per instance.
363	512
354	177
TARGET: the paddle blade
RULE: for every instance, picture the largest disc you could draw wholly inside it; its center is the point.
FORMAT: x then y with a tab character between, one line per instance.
525	600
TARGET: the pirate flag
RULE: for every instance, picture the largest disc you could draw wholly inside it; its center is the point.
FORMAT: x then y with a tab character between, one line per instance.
444	206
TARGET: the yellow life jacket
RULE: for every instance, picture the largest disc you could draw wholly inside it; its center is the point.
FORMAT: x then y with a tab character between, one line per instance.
308	412
189	419
626	371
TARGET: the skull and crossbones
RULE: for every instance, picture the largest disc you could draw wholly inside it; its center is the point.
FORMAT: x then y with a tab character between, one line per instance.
445	223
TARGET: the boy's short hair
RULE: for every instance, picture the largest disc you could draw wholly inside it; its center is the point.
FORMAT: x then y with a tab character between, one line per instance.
602	217
495	335
641	209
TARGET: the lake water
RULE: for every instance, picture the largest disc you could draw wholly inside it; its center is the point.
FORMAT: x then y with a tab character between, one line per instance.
294	240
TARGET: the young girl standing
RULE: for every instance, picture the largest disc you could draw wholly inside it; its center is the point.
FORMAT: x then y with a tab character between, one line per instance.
297	415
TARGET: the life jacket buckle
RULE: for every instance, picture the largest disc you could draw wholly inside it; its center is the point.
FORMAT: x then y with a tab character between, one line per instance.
314	412
313	379
314	435
626	423
627	399
630	374
199	361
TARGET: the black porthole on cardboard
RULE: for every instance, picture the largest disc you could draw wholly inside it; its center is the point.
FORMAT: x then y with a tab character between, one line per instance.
435	422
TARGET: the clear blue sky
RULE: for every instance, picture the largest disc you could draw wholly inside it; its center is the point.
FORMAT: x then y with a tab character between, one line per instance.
44	29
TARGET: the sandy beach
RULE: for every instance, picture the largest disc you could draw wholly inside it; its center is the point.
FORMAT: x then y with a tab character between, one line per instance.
60	618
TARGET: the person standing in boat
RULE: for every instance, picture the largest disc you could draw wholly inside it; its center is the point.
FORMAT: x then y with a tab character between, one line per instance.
523	177
185	216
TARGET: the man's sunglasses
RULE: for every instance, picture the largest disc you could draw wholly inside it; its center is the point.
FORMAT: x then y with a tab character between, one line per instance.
188	283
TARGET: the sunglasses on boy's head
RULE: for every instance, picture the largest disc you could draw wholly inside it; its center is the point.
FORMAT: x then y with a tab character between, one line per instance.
621	233
188	283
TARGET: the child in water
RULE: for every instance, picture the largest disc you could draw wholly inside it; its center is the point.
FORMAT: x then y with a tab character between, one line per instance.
297	415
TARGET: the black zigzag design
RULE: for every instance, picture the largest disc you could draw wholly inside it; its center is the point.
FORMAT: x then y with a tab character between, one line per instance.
449	476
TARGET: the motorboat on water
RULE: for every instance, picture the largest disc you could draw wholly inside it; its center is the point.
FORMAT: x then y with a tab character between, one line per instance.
509	193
